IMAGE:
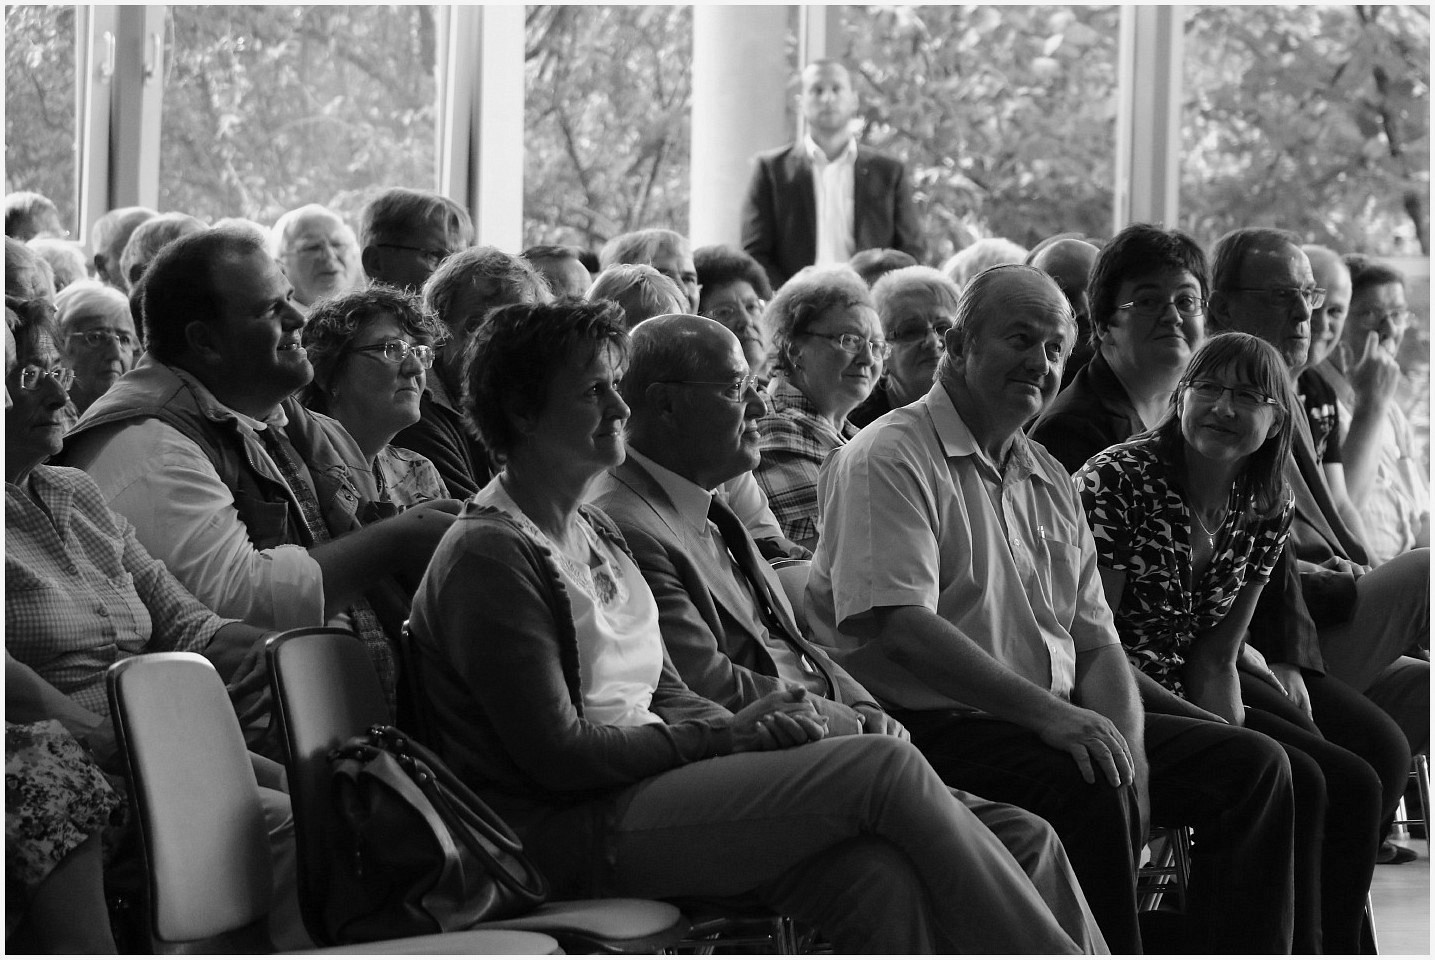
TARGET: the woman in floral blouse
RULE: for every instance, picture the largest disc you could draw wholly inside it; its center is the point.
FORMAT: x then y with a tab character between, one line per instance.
1189	519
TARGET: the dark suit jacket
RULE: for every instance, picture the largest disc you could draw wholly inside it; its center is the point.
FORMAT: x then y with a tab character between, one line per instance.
1093	413
779	213
718	646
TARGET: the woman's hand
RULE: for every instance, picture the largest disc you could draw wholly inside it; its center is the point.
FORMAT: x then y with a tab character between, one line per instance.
1293	685
1252	661
785	718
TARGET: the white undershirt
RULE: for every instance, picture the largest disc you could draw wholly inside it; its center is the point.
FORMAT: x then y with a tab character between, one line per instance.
833	185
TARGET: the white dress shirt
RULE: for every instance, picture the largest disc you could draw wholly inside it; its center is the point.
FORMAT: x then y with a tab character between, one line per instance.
833	185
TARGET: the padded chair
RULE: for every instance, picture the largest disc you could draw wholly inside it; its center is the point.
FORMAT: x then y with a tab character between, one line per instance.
325	691
201	823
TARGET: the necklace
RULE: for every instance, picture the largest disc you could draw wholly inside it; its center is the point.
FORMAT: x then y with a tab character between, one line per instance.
1209	533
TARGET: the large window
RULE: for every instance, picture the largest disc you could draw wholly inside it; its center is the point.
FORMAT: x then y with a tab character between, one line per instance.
267	108
40	104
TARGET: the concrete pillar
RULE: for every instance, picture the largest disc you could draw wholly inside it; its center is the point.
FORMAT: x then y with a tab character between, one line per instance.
741	105
1148	121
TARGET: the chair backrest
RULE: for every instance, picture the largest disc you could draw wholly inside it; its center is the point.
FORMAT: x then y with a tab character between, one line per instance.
793	574
325	691
196	803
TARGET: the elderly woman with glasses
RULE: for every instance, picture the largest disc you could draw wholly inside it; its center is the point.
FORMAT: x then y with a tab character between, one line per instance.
734	292
97	339
371	351
916	306
1190	519
830	350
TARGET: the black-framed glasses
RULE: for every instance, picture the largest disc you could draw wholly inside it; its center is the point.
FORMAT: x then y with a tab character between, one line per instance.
1314	297
1150	308
432	255
917	330
37	311
397	351
1210	391
98	338
852	343
734	389
29	376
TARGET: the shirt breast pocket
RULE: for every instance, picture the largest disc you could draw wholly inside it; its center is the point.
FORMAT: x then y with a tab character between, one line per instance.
1063	569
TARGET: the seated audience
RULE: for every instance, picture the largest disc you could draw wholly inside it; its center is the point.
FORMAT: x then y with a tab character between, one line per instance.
1148	315
872	264
1189	521
977	256
640	290
371	351
539	645
1069	258
666	251
561	268
65	257
830	350
956	579
1369	619
318	251
462	292
97	340
255	504
724	617
81	593
916	306
108	237
1350	384
735	292
147	240
29	215
405	234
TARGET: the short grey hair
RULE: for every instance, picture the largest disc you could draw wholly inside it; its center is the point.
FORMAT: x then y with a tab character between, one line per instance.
909	280
510	279
281	233
640	290
804	298
981	300
641	246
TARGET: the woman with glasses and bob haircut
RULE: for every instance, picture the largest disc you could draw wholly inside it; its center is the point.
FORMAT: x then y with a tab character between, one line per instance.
1190	519
829	350
1148	315
371	351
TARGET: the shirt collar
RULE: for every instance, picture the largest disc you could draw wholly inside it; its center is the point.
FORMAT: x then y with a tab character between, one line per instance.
691	500
218	411
957	439
818	156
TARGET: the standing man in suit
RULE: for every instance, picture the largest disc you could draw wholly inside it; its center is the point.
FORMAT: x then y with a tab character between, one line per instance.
824	198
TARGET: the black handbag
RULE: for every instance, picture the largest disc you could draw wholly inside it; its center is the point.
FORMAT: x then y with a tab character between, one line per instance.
418	851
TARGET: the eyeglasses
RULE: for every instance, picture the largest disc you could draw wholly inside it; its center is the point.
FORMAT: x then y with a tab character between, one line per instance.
736	388
1314	297
1375	318
397	351
917	332
1152	308
1210	391
852	343
432	256
36	311
30	375
730	313
98	338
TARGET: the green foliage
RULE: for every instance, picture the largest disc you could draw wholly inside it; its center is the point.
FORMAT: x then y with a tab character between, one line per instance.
40	104
271	107
609	89
1312	118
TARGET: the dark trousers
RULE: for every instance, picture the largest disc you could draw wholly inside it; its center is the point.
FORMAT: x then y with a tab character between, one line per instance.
1232	786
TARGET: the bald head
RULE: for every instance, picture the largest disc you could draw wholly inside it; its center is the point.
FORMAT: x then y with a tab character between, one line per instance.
1328	320
694	405
1069	263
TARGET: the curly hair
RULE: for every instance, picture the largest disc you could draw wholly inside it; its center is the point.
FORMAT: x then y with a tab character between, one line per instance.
720	265
802	301
335	322
509	363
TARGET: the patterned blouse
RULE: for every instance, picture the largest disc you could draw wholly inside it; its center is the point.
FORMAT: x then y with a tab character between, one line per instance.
1142	528
795	441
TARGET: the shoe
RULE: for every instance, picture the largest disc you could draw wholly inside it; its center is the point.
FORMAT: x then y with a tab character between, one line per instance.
1394	853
